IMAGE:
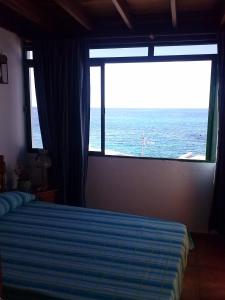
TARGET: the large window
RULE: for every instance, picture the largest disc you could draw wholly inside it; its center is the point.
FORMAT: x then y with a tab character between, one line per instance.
148	102
159	106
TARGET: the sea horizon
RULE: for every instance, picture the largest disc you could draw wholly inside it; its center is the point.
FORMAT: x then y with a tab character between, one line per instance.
151	132
145	132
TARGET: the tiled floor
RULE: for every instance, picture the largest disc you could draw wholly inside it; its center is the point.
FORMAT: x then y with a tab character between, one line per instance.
204	277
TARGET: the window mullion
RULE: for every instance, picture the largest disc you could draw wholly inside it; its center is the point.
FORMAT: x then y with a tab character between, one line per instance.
151	51
103	108
212	115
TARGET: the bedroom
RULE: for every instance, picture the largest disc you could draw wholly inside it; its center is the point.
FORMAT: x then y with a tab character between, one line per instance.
180	191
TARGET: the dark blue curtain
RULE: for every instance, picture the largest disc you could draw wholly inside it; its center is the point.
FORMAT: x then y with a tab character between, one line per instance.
217	220
62	88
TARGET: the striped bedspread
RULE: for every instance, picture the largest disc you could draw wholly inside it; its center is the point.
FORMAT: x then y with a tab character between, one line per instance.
85	254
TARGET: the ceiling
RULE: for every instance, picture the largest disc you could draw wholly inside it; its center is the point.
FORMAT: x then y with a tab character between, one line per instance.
33	18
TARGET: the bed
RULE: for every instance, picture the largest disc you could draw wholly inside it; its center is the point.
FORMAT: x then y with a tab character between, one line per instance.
63	252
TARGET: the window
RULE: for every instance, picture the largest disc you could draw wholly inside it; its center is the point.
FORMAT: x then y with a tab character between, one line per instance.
33	126
158	106
95	103
29	54
185	50
118	52
148	102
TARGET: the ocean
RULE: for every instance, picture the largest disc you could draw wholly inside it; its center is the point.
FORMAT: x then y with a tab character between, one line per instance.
161	133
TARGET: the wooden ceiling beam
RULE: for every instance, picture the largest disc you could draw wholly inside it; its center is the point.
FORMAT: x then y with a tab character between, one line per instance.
173	12
75	12
221	14
123	11
28	10
222	20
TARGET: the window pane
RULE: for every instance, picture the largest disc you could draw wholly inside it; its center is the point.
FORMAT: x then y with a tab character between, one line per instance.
118	52
185	50
35	127
95	112
157	109
29	54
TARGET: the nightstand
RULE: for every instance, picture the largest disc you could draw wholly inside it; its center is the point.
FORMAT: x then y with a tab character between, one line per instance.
47	196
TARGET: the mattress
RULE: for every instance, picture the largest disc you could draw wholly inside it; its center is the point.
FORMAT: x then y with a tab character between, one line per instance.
68	252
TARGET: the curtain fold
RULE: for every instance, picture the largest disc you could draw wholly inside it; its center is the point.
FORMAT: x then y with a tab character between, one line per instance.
217	218
62	89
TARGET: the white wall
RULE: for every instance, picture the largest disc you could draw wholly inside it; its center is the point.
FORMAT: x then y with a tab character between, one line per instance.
12	137
174	190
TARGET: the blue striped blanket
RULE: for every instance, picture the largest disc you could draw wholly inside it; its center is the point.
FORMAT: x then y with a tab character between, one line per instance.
85	254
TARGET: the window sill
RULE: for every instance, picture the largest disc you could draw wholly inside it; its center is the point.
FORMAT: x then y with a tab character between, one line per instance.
99	154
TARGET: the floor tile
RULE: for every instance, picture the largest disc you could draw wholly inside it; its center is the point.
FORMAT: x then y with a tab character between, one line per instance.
192	258
190	284
211	294
204	278
212	284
